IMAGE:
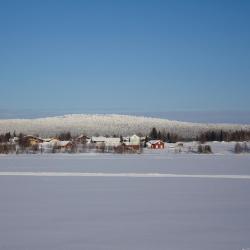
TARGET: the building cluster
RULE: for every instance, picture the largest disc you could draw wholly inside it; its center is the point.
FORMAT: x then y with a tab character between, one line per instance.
83	143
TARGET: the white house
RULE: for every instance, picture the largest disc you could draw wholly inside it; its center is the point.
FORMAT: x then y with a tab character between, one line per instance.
133	140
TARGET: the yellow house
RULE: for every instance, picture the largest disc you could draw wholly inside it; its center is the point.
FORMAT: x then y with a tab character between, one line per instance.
33	140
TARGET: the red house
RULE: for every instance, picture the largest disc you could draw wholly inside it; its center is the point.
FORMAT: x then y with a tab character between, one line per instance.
156	144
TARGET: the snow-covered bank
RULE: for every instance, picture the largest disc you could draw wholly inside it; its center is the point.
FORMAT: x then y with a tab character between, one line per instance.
108	124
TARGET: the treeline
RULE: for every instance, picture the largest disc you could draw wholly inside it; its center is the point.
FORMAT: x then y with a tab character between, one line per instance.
6	137
64	136
238	135
163	135
211	135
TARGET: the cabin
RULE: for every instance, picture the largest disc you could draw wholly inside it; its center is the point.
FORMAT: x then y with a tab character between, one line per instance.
156	144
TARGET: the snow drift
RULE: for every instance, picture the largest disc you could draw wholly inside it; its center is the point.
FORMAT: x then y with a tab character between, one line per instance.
108	125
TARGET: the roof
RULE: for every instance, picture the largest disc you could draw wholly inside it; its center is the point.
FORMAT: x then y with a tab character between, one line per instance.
50	139
134	136
82	136
33	137
152	142
109	141
98	138
113	141
63	143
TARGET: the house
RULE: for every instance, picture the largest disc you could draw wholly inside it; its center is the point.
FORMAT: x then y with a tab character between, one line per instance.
112	141
51	140
106	141
33	140
83	139
98	139
132	143
155	144
135	140
46	147
64	145
55	144
132	140
48	139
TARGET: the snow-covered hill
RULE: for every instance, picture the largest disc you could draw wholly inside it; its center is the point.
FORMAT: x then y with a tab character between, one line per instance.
107	125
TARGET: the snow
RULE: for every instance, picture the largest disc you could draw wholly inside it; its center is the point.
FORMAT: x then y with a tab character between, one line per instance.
63	143
156	200
107	125
127	175
154	141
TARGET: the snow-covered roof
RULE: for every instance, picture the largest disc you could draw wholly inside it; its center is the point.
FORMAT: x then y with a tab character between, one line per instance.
49	139
63	143
112	141
152	142
109	141
82	136
134	136
33	137
98	139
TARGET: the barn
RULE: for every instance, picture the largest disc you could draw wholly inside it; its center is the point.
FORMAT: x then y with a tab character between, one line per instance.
156	144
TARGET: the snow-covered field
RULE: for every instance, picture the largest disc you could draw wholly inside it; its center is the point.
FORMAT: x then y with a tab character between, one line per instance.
108	124
156	200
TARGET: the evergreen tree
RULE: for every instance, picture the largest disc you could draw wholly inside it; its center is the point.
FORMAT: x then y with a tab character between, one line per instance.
7	137
168	137
153	134
159	136
221	136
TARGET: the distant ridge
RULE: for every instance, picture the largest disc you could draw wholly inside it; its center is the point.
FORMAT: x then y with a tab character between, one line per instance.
108	124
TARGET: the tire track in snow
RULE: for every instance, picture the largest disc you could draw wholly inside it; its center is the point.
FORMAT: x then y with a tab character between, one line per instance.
128	175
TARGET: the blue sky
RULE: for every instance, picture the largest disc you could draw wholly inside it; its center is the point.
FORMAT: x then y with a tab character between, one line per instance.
124	56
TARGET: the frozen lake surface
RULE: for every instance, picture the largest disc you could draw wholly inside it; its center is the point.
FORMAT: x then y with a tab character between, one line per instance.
120	212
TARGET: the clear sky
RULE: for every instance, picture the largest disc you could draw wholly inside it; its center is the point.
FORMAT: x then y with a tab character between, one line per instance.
135	56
